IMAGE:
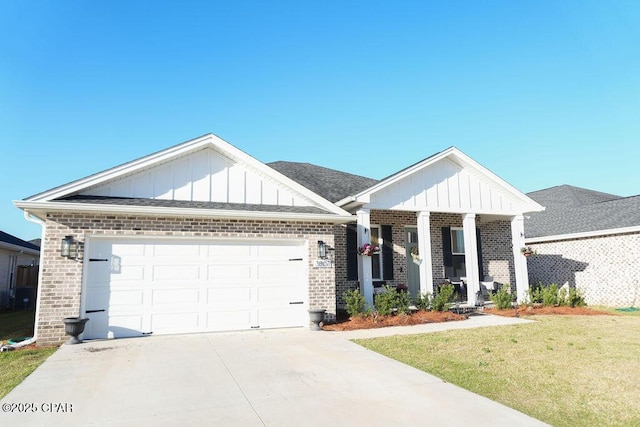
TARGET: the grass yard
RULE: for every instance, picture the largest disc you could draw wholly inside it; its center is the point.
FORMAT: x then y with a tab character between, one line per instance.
563	370
16	365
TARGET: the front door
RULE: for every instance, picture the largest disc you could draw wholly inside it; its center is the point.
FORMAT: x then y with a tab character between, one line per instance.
413	261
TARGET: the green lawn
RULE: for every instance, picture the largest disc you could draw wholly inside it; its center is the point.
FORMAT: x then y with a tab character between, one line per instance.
563	370
16	365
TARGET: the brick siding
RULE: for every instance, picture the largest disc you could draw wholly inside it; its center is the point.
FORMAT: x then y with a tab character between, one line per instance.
604	268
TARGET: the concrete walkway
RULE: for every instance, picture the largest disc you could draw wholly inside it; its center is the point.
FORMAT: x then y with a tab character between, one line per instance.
291	377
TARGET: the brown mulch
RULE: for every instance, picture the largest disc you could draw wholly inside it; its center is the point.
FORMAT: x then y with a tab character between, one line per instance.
370	322
529	311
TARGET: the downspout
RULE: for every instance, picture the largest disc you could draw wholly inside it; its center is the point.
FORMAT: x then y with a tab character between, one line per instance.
35	220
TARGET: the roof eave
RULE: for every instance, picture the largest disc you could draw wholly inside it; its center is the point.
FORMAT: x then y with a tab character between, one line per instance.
41	208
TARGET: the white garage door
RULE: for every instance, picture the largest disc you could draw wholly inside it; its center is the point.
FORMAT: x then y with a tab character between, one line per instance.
137	287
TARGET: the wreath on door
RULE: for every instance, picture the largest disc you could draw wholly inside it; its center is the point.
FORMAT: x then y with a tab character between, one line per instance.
415	254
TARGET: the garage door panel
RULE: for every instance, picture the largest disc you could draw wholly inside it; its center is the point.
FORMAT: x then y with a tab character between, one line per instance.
127	272
167	323
175	296
173	272
229	273
229	250
178	287
288	271
125	298
231	295
128	249
171	250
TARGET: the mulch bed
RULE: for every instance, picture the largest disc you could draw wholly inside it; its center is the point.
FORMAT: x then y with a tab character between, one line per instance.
370	322
420	317
531	311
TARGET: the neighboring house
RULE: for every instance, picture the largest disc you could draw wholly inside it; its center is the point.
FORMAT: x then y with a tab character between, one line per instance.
18	270
203	237
587	240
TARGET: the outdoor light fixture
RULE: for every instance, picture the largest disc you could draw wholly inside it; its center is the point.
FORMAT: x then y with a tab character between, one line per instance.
69	247
322	249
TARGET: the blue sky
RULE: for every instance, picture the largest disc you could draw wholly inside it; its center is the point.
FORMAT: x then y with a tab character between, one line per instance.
542	93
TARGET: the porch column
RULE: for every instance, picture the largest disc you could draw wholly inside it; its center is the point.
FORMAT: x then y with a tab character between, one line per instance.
364	262
424	249
471	257
519	261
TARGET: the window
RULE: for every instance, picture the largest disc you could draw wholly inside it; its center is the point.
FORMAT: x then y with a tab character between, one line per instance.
376	260
457	250
457	241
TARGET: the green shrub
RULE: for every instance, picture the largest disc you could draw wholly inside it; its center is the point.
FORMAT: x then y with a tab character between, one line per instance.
502	299
423	302
550	295
356	304
443	298
575	298
535	294
391	301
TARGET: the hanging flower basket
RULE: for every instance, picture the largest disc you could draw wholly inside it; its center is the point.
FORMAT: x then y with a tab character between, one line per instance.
527	251
368	250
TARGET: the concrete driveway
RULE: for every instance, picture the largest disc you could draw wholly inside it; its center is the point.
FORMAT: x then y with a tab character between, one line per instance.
289	377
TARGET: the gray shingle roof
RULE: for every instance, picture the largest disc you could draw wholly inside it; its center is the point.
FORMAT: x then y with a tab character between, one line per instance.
13	240
576	210
126	201
331	184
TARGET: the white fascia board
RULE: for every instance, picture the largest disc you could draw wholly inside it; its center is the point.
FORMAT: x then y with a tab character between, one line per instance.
18	248
586	234
448	210
40	209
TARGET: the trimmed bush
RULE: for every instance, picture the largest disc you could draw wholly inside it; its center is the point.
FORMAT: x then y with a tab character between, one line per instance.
502	299
391	301
355	303
443	298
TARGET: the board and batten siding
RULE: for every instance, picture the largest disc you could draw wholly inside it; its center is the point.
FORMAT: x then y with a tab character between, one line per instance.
203	176
444	186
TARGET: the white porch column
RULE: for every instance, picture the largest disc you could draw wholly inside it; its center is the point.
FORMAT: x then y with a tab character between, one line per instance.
519	261
424	249
471	257
364	262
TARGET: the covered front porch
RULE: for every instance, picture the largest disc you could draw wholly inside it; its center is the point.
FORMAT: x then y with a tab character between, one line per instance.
444	219
422	250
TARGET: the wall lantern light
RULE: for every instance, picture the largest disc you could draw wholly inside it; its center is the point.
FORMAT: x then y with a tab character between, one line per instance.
69	248
322	249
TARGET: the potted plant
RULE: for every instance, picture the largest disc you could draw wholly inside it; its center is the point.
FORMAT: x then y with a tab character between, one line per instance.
74	326
368	250
316	316
527	251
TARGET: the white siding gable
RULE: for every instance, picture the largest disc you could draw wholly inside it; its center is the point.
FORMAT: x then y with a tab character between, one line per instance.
203	176
445	186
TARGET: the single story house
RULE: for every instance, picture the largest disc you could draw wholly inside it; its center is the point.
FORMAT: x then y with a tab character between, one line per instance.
203	237
18	271
588	240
